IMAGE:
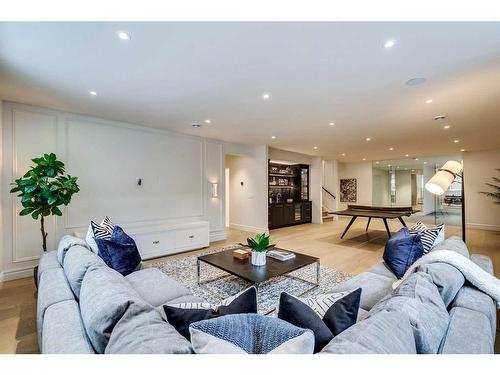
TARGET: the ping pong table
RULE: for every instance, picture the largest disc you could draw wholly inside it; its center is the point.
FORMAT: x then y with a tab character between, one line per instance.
370	212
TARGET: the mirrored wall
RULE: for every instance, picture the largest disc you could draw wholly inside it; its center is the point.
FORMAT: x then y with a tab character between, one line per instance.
401	183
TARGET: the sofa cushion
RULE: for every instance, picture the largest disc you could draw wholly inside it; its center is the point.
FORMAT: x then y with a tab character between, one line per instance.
453	243
483	261
76	262
387	332
48	260
373	288
53	288
402	250
250	334
119	252
156	288
471	298
468	333
105	296
182	315
447	278
63	331
141	330
419	299
326	315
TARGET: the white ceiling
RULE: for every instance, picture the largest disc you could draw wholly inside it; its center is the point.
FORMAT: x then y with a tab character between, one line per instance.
170	75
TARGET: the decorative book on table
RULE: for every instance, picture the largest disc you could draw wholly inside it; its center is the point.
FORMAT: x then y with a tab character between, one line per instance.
280	255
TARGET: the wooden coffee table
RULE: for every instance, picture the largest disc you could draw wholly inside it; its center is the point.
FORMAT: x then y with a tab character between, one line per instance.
257	275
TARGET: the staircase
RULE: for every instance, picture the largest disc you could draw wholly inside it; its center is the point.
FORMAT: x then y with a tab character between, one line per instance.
327	215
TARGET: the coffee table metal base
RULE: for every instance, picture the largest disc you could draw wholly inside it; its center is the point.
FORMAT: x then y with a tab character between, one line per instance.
313	284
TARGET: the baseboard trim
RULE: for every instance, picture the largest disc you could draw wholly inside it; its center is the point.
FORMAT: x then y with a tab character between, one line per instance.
491	227
218	235
248	228
16	274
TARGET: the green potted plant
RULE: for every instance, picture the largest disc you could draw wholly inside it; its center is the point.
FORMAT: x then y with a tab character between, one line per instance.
43	189
259	245
495	195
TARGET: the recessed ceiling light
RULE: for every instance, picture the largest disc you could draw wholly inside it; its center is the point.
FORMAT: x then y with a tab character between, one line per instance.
389	43
368	139
462	150
388	165
415	81
428	101
416	159
315	147
413	170
266	96
439	117
196	125
391	148
446	127
93	93
331	124
208	121
343	154
456	140
407	155
364	159
123	35
377	162
273	137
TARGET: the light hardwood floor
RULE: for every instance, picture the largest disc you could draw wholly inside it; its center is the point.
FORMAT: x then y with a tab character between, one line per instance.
354	254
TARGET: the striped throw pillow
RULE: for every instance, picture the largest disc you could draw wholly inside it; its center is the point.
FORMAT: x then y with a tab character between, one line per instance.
429	236
104	230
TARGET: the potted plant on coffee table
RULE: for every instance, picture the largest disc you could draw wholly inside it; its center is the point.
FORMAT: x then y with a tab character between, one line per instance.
43	189
259	245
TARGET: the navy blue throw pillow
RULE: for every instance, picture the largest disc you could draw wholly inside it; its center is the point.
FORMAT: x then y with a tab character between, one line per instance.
181	315
326	315
120	252
402	250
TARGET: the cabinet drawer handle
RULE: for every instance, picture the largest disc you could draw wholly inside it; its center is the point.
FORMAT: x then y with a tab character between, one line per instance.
191	236
156	242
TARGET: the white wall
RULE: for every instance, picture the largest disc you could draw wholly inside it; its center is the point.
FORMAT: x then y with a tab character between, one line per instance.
363	173
479	168
107	157
1	192
403	188
247	202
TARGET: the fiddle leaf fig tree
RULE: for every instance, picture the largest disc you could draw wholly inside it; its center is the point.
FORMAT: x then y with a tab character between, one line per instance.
43	189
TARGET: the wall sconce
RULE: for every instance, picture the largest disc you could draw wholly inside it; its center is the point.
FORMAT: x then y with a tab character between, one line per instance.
214	190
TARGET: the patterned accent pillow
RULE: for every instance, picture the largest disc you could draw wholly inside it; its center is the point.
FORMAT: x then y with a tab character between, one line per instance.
327	315
249	334
104	230
430	236
418	226
181	315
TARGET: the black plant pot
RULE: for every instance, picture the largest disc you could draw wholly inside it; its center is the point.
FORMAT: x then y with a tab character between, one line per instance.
35	276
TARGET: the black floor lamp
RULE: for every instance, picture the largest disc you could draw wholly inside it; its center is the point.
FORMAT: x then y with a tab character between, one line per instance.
442	180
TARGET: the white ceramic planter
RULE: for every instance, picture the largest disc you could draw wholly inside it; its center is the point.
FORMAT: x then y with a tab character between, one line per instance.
259	258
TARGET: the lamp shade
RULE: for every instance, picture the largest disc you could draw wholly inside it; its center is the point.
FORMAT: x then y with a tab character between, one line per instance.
443	178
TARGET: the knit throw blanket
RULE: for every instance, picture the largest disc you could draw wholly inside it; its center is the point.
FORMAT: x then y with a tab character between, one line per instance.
474	274
66	243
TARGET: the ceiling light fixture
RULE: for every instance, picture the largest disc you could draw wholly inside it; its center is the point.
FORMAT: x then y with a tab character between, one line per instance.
208	121
389	43
196	125
331	124
462	150
315	147
407	155
391	148
456	140
343	154
123	35
266	96
416	159
428	101
415	81
364	159
93	93
377	162
368	139
439	117
446	127
273	137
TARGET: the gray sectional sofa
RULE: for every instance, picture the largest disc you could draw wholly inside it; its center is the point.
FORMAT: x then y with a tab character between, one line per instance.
86	307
